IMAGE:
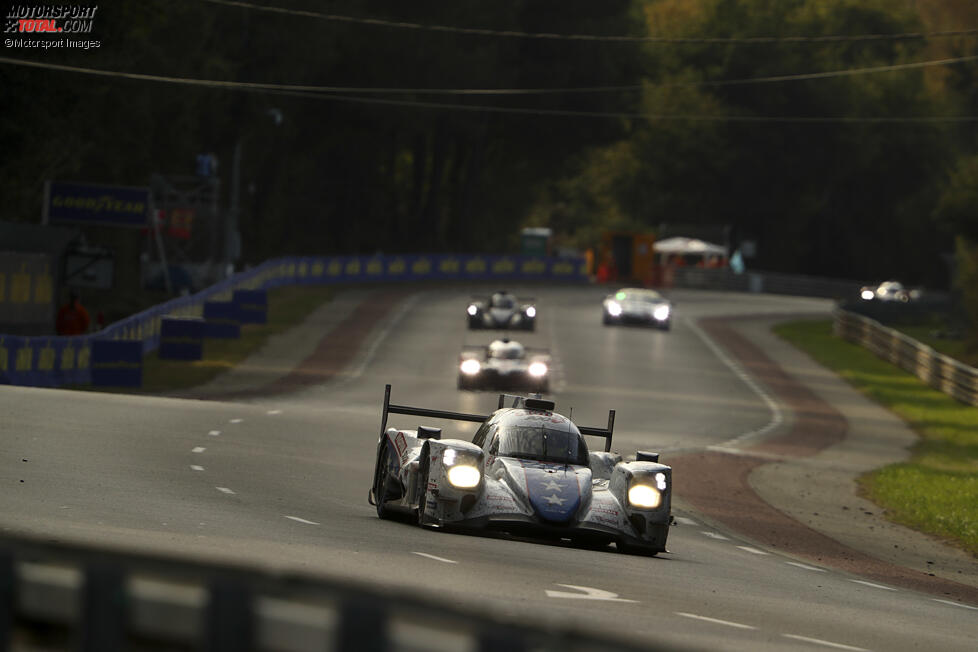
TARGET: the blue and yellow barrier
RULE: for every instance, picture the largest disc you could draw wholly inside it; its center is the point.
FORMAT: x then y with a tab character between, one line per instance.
57	361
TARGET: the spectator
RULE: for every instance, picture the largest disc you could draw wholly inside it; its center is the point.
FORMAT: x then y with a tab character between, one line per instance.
72	317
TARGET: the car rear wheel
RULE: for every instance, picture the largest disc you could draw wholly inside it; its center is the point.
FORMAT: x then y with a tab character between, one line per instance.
380	489
423	489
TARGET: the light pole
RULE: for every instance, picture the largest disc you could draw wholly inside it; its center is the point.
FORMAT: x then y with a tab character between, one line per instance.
232	234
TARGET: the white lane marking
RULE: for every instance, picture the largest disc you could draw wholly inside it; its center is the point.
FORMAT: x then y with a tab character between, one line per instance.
805	566
954	604
586	593
818	641
196	467
214	433
198	449
436	558
715	535
274	412
685	521
224	490
875	586
300	520
235	420
715	621
753	551
777	418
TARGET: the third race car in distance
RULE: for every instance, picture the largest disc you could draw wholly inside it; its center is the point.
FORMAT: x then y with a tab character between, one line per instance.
504	365
502	310
637	306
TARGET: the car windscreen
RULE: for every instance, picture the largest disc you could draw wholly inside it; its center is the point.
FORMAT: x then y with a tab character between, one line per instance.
502	301
510	353
543	444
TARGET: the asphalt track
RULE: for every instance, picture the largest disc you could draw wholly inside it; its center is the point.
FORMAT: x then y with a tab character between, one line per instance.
280	478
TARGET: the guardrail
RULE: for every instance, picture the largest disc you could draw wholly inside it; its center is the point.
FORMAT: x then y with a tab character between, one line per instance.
57	361
766	282
936	369
60	596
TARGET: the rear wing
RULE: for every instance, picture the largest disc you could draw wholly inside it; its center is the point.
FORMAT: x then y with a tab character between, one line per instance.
422	412
517	401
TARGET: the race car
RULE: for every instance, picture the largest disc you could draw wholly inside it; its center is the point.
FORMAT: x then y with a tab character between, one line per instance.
502	310
888	291
506	365
637	306
527	471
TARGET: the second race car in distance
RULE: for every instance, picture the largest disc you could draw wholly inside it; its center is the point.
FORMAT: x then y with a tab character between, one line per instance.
504	365
637	306
502	310
888	291
527	471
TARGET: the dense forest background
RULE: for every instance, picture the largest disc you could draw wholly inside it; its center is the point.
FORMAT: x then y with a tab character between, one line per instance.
885	187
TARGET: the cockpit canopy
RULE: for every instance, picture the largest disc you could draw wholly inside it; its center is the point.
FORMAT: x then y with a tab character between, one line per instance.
506	350
502	300
541	443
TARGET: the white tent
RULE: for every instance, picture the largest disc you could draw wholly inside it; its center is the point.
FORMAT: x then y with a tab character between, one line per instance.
684	246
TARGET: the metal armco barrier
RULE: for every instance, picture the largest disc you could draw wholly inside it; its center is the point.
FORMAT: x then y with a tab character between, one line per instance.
57	361
80	597
936	369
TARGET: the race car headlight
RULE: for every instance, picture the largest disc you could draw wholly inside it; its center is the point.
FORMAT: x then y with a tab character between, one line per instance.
644	496
614	308
661	312
464	476
867	295
531	312
537	369
472	310
470	366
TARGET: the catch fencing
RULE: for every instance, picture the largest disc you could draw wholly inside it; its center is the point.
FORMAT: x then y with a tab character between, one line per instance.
61	596
59	361
936	369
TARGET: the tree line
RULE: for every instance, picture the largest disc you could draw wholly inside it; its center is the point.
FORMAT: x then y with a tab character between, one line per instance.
872	192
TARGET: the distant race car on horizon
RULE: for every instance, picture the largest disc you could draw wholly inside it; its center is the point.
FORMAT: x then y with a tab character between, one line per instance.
504	365
637	306
502	310
888	291
527	471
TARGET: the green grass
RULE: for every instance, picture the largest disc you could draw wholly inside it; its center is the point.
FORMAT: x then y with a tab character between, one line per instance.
287	306
936	490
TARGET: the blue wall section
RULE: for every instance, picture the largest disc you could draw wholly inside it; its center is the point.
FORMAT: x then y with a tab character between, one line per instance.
57	361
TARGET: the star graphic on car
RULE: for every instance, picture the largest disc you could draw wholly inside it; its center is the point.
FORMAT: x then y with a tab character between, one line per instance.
554	500
550	485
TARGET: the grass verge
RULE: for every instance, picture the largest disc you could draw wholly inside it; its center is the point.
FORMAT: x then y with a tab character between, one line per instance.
287	306
936	490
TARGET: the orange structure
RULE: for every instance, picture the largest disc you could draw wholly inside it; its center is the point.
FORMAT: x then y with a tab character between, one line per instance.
627	256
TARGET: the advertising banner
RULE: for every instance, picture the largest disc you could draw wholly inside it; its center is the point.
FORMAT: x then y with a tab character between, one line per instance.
87	203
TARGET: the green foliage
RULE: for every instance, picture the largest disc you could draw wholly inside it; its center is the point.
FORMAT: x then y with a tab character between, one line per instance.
935	491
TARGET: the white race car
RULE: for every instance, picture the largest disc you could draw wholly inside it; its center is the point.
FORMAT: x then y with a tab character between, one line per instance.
504	365
502	310
637	306
528	470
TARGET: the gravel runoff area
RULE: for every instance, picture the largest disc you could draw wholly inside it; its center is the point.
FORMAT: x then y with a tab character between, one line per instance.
792	490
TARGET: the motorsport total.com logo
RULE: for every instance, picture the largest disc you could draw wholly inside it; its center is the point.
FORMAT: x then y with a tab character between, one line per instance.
47	21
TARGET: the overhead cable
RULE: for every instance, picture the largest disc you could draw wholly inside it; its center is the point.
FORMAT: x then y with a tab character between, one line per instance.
745	40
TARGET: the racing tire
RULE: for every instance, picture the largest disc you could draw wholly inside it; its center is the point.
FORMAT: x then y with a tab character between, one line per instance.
606	320
423	488
380	488
666	326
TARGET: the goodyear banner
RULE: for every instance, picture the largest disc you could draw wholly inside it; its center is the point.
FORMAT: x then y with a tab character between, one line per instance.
59	361
87	203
